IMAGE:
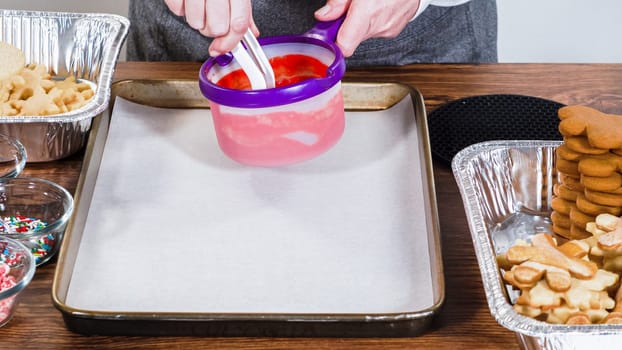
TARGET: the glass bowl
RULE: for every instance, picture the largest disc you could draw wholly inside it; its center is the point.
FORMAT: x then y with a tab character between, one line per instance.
17	266
35	212
12	156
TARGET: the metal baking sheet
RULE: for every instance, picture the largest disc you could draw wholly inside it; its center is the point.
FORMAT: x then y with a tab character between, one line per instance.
345	245
507	187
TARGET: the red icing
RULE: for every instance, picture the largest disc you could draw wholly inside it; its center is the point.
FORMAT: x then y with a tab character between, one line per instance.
288	69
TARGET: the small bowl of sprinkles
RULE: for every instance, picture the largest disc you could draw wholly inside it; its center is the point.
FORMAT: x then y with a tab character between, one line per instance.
12	157
35	212
17	267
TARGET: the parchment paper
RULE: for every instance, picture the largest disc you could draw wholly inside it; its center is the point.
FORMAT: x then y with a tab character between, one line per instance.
176	226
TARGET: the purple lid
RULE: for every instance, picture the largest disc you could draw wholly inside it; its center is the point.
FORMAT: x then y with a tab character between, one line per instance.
323	34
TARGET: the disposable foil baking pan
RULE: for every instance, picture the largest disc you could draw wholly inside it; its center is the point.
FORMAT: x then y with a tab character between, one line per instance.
507	187
85	45
344	245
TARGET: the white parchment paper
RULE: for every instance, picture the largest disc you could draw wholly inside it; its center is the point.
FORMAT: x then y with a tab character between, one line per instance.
176	226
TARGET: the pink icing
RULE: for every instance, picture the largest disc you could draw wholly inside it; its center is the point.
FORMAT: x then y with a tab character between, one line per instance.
6	281
282	137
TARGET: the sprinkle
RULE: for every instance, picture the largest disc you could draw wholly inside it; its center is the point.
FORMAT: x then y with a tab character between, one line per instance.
7	256
20	224
40	247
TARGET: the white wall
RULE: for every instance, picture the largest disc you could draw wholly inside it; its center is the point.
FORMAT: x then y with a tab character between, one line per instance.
560	30
529	30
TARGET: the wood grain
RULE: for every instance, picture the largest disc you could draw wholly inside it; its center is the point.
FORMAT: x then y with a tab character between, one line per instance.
463	323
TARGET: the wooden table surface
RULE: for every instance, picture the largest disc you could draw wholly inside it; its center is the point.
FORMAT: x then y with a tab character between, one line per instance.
464	322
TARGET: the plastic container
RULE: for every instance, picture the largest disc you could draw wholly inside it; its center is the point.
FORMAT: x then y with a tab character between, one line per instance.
299	119
17	267
34	212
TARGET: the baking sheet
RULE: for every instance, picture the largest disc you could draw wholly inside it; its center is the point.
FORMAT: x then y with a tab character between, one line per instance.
170	228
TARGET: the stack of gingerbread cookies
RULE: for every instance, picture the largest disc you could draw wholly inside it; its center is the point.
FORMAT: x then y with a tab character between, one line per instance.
589	165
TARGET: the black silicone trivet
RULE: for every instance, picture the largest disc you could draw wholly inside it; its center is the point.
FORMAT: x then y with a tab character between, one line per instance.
461	123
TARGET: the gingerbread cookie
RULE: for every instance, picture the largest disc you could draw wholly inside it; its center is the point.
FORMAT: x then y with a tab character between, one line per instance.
561	220
601	130
565	192
603	184
591	208
580	144
567	167
592	142
572	182
603	165
564	152
612	199
562	206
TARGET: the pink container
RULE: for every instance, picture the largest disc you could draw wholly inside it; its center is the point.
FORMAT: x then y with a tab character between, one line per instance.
299	119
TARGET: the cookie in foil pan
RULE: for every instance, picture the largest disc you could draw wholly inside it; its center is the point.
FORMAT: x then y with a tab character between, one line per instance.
507	188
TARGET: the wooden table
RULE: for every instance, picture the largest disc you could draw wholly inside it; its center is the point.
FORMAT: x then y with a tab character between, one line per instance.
463	323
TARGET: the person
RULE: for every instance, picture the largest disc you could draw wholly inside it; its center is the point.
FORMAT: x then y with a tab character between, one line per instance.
373	33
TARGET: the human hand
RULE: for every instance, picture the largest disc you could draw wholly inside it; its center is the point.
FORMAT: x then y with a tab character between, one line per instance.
224	20
367	19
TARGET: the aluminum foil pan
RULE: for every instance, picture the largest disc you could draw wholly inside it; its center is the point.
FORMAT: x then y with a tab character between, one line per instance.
507	187
85	45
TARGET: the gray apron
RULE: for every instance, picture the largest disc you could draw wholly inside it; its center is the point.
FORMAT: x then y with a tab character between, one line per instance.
464	33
